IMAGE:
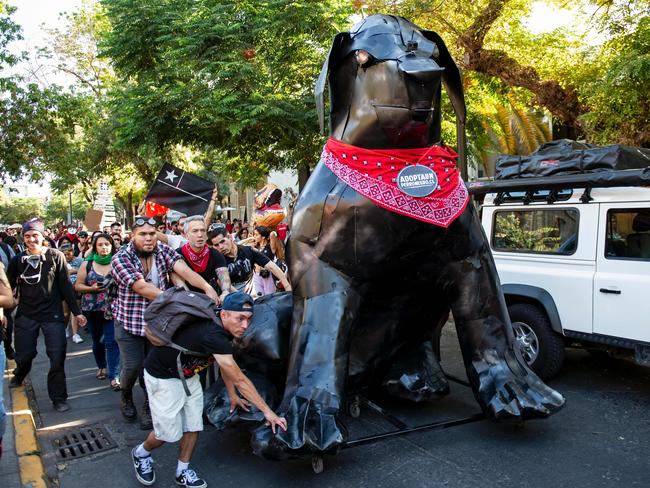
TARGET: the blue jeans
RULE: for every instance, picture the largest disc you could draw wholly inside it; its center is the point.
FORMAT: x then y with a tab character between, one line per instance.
105	348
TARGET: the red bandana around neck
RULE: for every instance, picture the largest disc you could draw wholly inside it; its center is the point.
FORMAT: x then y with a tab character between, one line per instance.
373	172
198	261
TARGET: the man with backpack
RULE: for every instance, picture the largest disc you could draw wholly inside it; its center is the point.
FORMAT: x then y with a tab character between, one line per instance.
175	394
141	271
40	278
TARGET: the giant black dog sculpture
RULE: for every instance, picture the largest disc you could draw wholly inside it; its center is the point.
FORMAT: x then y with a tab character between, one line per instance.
371	286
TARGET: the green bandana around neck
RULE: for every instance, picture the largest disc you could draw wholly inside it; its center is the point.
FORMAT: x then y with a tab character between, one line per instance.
99	259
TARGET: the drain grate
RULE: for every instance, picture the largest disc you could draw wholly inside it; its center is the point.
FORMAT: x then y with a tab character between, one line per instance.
82	441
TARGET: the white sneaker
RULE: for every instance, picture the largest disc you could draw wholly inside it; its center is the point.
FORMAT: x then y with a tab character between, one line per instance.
77	339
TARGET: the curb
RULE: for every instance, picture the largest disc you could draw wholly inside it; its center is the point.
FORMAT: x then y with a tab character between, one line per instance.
32	471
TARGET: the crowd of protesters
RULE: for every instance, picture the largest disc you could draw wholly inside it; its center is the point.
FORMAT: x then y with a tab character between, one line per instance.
58	282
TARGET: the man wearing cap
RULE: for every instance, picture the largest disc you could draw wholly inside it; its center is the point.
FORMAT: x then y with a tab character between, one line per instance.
14	231
178	416
142	271
84	244
40	278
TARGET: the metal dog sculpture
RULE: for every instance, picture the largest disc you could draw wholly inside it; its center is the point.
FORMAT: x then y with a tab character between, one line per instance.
375	270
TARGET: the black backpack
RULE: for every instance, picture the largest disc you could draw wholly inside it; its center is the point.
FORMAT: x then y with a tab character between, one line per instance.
171	310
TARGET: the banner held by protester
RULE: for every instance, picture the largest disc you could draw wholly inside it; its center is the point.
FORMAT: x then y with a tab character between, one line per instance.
181	191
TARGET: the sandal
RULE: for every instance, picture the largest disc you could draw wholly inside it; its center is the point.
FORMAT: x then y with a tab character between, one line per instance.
101	374
115	384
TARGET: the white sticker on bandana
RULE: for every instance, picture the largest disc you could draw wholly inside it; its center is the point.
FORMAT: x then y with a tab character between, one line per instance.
417	181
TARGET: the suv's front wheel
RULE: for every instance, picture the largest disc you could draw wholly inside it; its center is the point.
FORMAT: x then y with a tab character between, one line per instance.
540	346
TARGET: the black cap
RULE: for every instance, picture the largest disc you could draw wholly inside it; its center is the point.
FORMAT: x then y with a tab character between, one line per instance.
34	224
238	302
83	233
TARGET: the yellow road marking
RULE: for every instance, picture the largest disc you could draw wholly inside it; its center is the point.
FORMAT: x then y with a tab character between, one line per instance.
32	472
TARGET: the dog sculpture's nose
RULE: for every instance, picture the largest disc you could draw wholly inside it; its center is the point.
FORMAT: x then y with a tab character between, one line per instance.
423	77
421	70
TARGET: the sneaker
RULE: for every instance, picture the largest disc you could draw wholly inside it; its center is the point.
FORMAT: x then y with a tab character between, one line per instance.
143	469
67	332
77	339
190	479
61	406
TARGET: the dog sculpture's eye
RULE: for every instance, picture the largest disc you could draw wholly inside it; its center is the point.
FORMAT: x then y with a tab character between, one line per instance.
364	58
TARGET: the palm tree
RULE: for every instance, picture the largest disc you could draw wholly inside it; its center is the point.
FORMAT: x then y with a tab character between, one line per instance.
512	129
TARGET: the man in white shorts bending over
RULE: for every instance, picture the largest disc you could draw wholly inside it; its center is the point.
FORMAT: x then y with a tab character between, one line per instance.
178	416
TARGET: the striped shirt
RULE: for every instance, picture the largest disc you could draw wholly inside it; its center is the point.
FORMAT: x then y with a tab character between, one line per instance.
128	308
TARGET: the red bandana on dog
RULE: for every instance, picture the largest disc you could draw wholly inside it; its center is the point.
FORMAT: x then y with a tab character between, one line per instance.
197	260
373	174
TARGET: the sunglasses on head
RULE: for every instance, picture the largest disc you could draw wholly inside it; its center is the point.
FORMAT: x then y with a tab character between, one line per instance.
140	221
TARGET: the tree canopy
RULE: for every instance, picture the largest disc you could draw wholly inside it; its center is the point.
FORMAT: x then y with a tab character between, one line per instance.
225	88
230	79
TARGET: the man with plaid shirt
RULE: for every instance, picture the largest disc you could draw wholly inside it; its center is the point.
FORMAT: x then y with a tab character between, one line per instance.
142	271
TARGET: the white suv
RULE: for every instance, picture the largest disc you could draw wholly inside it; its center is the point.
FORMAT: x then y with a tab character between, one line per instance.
575	269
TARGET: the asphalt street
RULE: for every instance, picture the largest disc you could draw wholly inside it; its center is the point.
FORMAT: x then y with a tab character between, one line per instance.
600	439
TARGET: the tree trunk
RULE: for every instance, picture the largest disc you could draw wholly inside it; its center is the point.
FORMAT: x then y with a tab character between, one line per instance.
561	101
129	209
303	176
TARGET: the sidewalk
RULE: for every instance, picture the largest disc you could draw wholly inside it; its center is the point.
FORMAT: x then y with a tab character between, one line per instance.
92	405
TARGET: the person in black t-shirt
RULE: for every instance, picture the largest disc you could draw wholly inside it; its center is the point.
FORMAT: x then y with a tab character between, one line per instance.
240	260
40	277
179	416
207	262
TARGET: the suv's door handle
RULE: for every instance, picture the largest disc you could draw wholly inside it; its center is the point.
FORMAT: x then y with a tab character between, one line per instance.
607	290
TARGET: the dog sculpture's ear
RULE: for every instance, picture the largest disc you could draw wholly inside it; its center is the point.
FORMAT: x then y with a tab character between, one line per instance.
454	85
341	41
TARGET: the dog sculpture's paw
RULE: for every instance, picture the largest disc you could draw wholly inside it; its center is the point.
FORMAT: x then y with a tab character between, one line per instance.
417	387
417	377
508	390
313	427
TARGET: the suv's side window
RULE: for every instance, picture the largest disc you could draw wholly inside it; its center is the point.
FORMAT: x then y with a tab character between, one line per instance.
538	230
628	234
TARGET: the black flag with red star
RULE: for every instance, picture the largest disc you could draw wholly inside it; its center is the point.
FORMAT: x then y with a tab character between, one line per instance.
181	191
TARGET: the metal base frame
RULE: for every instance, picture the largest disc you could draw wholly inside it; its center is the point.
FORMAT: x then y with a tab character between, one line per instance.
402	428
